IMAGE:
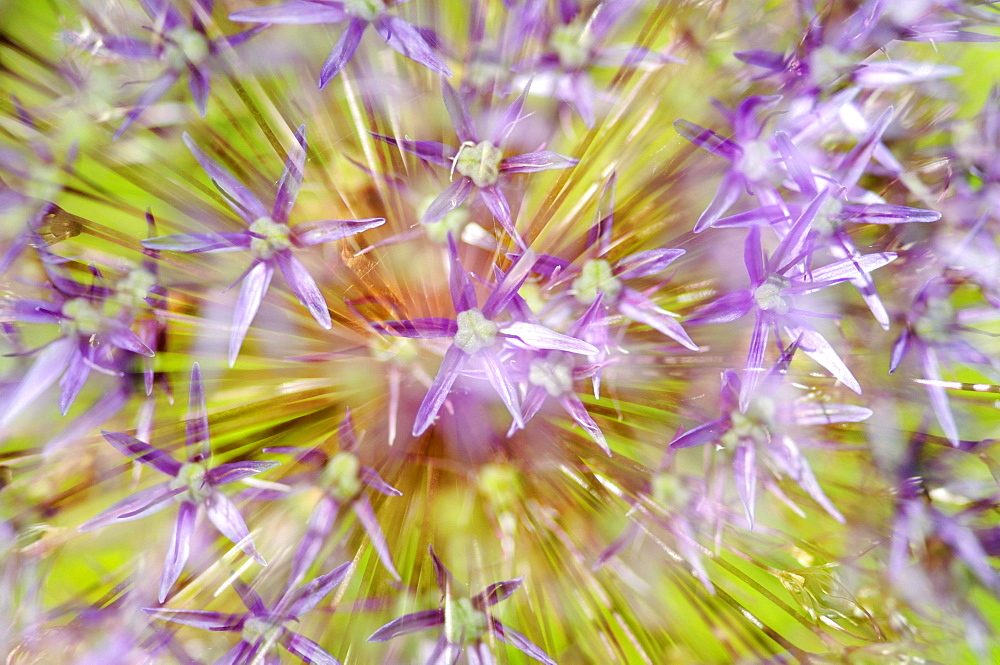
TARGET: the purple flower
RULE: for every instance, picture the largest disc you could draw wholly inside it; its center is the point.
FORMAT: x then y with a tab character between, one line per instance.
95	331
401	36
759	428
480	163
341	479
262	628
476	335
181	45
574	46
192	484
604	282
268	237
775	283
466	622
933	329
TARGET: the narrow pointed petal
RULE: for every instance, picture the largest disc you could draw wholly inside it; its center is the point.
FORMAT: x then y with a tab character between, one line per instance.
366	515
328	230
404	38
306	649
310	595
510	636
798	166
453	196
194	243
429	151
441	573
539	337
345	432
142	452
409	623
77	371
427	328
239	654
294	12
304	287
199	83
343	51
370	477
461	119
938	395
196	618
196	433
251	295
580	95
899	349
463	296
883	74
814	345
321	520
251	599
745	472
753	257
755	360
50	363
729	191
639	308
725	309
790	461
227	519
496	592
884	213
575	408
533	162
643	264
121	336
179	549
239	198
234	471
149	96
709	432
708	140
451	365
853	267
291	178
509	119
155	496
508	285
495	200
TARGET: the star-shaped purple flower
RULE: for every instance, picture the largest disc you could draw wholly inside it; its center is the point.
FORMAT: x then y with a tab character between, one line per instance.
399	35
181	45
481	164
261	628
466	622
192	484
476	335
268	237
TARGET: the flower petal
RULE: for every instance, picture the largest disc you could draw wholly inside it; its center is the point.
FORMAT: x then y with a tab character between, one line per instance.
639	308
293	12
196	433
291	178
366	515
151	497
496	592
142	452
409	623
306	649
179	549
404	38
309	595
426	328
328	230
251	294
458	111
745	472
234	471
500	379
520	642
539	337
814	345
227	519
239	198
196	618
194	243
451	365
533	162
643	264
304	287
343	51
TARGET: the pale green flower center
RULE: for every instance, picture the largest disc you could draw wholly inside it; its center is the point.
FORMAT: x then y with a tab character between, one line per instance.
770	296
596	277
135	286
753	425
86	319
257	628
462	621
270	238
936	323
342	477
366	10
192	477
555	376
475	331
479	162
571	44
453	222
185	46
